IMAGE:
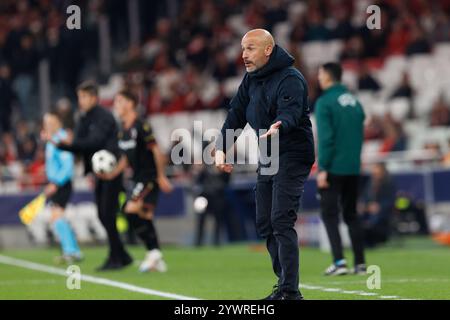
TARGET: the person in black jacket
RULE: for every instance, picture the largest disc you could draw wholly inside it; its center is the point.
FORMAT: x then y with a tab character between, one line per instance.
97	130
377	206
272	98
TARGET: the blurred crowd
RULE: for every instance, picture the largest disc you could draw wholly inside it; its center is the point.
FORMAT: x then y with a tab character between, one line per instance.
187	56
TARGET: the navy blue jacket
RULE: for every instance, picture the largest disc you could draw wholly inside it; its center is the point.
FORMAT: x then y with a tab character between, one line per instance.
275	92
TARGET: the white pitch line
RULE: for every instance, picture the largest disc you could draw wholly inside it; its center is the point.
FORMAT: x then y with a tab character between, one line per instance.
353	292
106	282
390	281
28	282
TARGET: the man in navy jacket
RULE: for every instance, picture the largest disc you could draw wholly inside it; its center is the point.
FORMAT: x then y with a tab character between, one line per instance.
273	97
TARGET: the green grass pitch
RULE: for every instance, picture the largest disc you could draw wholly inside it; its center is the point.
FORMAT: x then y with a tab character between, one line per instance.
413	269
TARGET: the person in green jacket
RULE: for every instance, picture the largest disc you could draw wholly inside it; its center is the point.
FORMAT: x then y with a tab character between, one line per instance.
340	125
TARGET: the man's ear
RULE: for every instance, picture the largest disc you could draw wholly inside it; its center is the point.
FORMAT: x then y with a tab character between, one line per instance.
268	50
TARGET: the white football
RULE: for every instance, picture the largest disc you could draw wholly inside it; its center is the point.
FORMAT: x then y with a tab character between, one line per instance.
103	161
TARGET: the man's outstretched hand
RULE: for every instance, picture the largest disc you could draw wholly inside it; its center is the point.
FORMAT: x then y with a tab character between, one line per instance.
220	162
272	130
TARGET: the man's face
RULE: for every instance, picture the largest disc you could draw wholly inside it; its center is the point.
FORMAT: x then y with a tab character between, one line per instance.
324	78
85	100
121	106
255	53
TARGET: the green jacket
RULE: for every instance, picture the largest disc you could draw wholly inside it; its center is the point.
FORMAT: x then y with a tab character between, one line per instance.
340	129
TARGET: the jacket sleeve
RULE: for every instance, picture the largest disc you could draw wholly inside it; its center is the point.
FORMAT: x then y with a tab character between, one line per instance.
95	140
325	135
236	118
291	99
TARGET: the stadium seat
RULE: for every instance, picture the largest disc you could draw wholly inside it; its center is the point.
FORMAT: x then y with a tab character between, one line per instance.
231	86
350	79
399	108
424	101
367	100
296	9
391	73
281	32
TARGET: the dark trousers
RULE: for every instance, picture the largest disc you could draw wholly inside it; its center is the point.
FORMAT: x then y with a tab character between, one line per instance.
107	200
216	210
342	193
277	204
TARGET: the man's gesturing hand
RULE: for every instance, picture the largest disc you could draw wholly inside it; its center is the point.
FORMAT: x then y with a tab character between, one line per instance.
220	162
272	130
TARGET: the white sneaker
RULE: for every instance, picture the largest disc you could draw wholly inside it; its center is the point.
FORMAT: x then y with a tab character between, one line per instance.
161	266
153	262
335	270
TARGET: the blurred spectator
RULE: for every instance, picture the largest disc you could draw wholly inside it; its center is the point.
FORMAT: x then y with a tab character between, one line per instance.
254	15
394	138
223	68
211	185
27	149
24	62
375	40
398	38
440	113
344	28
404	89
134	60
418	43
377	206
296	53
366	81
26	142
297	33
275	12
7	97
197	51
8	149
441	30
34	175
373	130
353	49
315	26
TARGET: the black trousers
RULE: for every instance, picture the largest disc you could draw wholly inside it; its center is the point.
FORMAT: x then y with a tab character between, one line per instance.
107	200
277	203
216	210
342	193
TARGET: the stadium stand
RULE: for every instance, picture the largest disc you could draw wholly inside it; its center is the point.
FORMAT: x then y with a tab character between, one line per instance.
182	58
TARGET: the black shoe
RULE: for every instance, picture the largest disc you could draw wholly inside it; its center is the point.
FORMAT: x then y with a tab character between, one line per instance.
292	296
275	295
112	265
360	269
127	260
109	265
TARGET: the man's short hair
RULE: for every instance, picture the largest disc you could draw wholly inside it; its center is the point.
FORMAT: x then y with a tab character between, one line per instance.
129	95
334	70
89	86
